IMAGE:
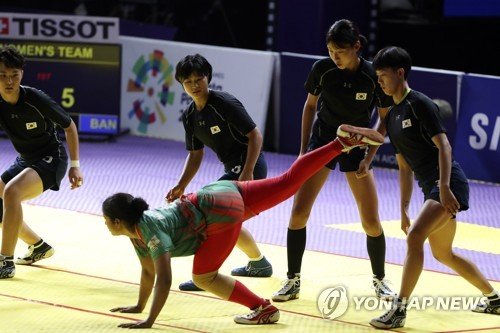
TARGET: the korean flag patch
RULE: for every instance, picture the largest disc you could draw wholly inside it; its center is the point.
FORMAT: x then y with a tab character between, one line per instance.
30	126
361	96
214	129
406	123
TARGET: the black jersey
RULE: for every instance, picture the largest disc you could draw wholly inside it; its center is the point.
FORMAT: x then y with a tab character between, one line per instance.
346	97
410	125
31	123
221	125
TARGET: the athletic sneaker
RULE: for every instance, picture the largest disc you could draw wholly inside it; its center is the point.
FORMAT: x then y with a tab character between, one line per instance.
351	137
264	314
261	268
36	253
382	289
491	305
7	268
395	317
189	286
289	291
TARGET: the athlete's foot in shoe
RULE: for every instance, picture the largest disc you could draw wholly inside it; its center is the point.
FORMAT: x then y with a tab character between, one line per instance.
395	317
7	267
189	286
382	289
255	268
290	289
36	253
491	305
351	136
262	315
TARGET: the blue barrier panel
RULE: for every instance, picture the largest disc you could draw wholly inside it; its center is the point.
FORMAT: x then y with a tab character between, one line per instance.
436	84
294	71
476	146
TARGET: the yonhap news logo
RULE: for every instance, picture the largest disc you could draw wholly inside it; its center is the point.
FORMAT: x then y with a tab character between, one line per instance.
334	302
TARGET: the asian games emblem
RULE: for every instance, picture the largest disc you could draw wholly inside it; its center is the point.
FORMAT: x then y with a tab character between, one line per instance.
153	79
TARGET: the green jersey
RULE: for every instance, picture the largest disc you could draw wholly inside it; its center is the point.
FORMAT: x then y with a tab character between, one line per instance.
181	227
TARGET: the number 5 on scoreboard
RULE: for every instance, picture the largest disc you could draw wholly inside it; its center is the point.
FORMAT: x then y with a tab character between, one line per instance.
68	98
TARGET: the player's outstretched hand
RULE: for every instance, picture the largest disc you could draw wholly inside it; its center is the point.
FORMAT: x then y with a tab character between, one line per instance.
138	324
127	309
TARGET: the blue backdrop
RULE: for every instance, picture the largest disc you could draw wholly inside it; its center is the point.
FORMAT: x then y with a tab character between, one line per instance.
476	147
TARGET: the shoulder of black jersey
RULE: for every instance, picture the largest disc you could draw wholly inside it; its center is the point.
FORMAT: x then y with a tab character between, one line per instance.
187	111
367	66
34	93
422	101
324	64
223	97
420	97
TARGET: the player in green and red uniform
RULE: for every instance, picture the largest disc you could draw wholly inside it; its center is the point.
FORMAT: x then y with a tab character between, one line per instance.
207	224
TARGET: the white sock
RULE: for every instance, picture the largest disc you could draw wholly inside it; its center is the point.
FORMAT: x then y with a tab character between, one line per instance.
256	259
493	293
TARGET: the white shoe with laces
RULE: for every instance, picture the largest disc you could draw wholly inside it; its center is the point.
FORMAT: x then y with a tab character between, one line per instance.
382	289
289	291
395	317
264	314
34	254
491	305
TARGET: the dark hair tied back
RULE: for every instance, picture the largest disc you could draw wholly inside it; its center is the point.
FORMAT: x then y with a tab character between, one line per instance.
344	33
125	207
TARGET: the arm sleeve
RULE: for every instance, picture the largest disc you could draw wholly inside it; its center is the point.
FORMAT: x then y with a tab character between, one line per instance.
237	116
427	113
192	143
313	82
50	109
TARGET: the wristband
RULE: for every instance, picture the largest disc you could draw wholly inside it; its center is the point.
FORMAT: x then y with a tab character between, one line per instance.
75	163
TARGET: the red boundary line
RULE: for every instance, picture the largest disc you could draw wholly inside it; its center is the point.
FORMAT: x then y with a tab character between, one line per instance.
68	307
197	295
172	291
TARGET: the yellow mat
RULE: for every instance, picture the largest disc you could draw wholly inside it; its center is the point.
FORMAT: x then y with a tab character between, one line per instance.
468	236
92	272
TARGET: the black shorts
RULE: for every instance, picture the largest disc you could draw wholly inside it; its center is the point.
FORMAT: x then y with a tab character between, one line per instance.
50	168
233	170
348	162
458	184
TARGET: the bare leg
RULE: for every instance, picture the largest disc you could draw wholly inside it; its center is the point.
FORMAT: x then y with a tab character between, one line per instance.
441	244
431	218
25	186
303	200
247	244
365	194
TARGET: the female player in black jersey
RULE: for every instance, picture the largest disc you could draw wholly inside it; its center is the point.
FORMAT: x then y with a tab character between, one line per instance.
423	150
29	118
218	120
348	88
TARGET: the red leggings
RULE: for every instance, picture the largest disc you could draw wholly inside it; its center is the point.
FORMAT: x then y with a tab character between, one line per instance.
258	196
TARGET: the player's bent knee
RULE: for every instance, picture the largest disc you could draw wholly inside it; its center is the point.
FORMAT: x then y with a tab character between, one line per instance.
443	257
204	281
415	241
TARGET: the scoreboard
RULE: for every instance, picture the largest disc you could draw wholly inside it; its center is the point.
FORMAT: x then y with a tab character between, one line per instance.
84	78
